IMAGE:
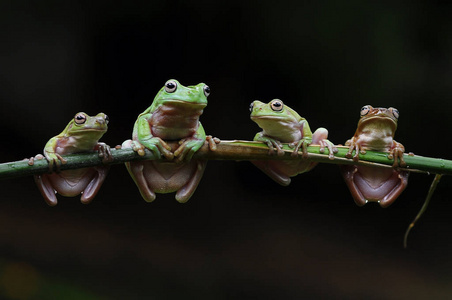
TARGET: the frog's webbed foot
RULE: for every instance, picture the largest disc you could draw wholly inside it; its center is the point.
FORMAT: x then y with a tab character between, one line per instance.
330	146
156	145
273	145
54	159
31	160
396	153
104	152
354	146
304	146
187	148
212	141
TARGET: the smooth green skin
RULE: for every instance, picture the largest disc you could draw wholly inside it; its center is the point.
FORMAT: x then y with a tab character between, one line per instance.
283	125
143	136
76	138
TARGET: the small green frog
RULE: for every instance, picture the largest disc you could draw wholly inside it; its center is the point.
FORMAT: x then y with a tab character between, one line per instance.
173	116
281	124
376	129
82	134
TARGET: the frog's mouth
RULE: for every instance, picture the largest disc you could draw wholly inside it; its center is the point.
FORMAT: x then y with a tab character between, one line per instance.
379	119
87	129
178	102
271	118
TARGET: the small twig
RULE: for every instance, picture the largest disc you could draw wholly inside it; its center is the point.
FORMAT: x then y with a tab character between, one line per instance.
423	208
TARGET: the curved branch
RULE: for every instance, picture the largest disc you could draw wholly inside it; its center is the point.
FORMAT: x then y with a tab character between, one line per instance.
233	150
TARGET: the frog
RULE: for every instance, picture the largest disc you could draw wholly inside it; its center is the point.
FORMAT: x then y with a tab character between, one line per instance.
81	135
173	116
375	131
281	124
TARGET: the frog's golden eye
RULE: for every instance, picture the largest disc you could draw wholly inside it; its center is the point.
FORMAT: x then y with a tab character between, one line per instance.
80	119
206	90
170	86
395	112
365	110
277	105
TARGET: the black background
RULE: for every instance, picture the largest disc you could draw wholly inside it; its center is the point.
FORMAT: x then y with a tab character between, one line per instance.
241	234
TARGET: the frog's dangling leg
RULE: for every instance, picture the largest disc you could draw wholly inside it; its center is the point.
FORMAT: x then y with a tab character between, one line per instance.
392	196
265	167
348	172
94	186
185	192
136	172
46	189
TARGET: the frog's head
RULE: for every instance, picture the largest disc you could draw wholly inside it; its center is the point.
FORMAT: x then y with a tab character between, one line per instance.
175	93
380	115
272	112
85	125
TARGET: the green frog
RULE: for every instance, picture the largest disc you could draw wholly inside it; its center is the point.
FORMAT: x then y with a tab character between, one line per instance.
281	124
173	116
82	134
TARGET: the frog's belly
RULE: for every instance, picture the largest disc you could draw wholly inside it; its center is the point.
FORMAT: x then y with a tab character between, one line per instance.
168	177
375	183
71	183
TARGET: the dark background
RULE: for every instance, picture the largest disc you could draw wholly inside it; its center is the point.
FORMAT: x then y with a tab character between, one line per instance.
240	235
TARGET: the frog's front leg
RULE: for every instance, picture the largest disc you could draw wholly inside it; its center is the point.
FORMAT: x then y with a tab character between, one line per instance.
273	145
94	185
303	143
104	152
188	148
185	192
396	153
212	142
189	145
354	145
143	138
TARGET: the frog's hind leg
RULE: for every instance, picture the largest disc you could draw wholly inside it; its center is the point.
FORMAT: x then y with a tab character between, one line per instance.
348	172
185	192
94	185
319	135
400	187
46	189
265	167
136	172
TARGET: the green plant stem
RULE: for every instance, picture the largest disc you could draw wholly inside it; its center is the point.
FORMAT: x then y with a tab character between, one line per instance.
232	150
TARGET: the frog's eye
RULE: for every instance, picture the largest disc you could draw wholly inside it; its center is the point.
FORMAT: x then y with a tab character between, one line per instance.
251	106
277	105
395	112
170	86
107	119
365	110
79	119
206	90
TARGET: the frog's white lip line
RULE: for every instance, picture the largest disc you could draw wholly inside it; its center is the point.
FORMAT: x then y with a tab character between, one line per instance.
268	117
185	102
85	129
379	117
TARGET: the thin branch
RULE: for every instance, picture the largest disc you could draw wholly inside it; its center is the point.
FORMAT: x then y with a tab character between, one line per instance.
233	150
